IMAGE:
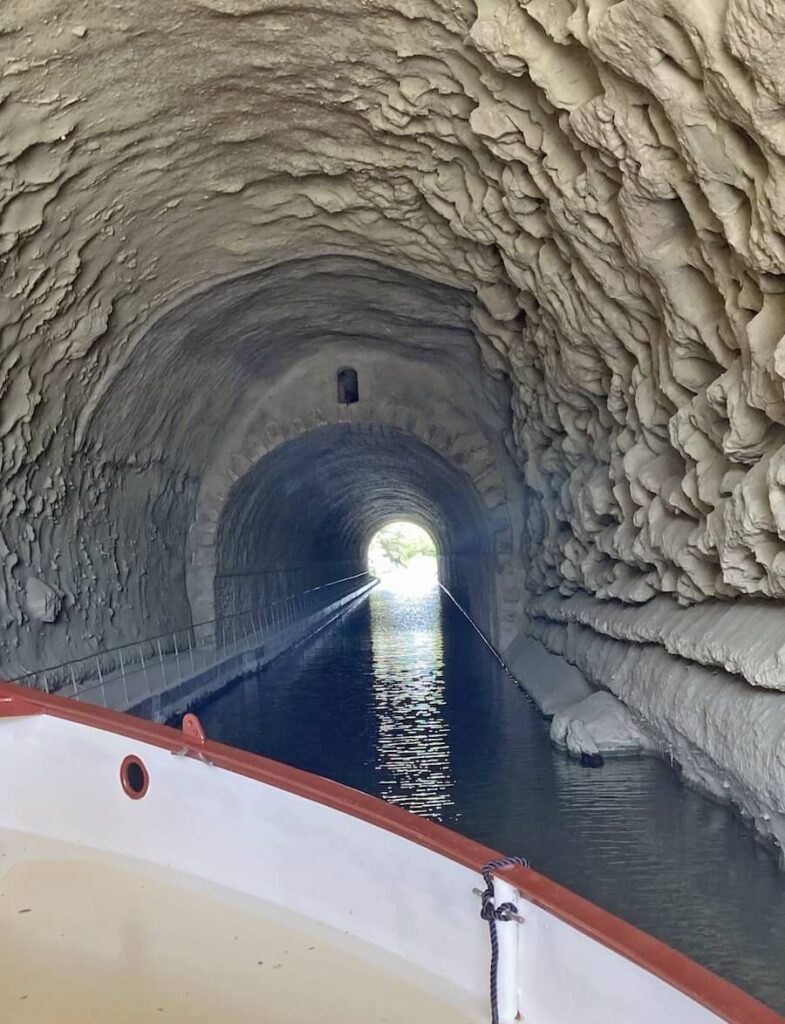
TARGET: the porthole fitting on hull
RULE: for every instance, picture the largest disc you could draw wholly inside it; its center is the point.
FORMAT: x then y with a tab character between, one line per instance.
134	777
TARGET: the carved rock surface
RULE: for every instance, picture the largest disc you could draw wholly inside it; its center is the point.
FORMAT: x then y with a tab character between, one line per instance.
602	184
599	724
43	603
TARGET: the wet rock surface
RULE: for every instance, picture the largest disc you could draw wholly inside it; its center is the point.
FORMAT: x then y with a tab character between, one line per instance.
599	725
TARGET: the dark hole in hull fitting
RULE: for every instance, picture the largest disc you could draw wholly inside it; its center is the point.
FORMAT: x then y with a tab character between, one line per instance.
134	777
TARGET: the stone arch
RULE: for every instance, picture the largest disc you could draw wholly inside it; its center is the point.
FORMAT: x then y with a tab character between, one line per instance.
464	451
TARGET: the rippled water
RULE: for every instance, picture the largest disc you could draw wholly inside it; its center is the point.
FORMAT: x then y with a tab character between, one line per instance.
402	701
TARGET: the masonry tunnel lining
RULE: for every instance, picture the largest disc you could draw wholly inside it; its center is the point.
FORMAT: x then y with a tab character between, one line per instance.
312	506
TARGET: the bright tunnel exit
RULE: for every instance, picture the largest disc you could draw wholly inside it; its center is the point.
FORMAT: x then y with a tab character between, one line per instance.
404	557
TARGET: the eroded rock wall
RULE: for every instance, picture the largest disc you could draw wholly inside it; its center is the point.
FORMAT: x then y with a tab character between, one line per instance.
603	180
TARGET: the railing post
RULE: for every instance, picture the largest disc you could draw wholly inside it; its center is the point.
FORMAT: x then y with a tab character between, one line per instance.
144	667
125	681
191	649
101	680
161	659
177	658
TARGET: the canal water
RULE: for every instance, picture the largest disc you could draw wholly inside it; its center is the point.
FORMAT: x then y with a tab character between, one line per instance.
402	700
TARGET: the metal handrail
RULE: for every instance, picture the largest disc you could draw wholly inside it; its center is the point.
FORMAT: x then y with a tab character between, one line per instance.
229	574
154	653
162	636
491	647
343	579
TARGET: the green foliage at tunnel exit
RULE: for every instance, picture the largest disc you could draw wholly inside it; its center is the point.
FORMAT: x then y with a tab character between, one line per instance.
398	544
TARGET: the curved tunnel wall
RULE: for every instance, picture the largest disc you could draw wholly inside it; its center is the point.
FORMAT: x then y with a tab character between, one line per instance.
216	383
314	503
602	182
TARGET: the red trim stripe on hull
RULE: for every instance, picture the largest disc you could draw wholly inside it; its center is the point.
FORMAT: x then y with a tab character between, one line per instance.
716	994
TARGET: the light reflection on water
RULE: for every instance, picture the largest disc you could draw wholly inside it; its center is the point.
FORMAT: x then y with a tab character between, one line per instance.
408	667
404	702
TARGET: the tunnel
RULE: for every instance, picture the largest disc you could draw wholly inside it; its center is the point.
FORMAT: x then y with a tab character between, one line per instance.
313	505
546	239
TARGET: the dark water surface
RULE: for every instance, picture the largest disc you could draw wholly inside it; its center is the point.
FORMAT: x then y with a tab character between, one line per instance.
403	701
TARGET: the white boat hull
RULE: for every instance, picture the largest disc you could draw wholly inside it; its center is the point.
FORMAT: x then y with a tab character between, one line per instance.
402	890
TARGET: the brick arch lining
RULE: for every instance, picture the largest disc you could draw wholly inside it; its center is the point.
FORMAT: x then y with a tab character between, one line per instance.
462	454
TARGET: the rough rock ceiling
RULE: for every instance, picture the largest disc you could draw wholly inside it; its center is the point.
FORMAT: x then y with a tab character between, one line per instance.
605	177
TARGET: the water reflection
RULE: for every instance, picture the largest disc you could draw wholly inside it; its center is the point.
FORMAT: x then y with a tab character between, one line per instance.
413	753
402	701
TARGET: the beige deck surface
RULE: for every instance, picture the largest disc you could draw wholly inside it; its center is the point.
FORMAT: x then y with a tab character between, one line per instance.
85	938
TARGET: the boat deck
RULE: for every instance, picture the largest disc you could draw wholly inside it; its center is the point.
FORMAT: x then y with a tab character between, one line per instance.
85	937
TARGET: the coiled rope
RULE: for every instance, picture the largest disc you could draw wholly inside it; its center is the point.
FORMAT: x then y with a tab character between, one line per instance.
491	913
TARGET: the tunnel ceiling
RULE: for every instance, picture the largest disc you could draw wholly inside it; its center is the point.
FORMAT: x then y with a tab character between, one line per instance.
600	186
209	364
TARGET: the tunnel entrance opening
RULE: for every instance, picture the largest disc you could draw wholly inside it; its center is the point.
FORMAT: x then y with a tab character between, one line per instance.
404	556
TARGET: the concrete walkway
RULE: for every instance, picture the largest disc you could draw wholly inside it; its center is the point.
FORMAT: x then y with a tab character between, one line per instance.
169	683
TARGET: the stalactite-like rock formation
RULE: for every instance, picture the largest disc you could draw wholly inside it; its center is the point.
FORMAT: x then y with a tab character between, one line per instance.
602	181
